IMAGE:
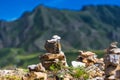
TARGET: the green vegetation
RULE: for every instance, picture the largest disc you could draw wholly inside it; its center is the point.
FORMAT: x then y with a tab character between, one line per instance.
100	53
79	73
55	67
57	70
71	55
16	57
9	77
60	71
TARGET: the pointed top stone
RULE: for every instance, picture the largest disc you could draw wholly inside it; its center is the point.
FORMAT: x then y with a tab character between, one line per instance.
56	37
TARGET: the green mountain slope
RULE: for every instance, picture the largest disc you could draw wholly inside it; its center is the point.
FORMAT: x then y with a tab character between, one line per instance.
91	28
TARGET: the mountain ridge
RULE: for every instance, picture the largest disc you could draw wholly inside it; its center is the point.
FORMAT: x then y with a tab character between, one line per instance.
93	27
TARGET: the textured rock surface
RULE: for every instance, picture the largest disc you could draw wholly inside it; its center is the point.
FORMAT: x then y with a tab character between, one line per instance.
12	74
35	76
36	68
49	56
94	71
53	45
36	72
93	65
112	62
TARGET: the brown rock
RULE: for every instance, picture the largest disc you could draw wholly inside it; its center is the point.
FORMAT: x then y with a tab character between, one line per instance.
86	54
47	64
115	51
35	76
88	57
94	71
112	47
53	45
36	68
49	56
117	72
117	76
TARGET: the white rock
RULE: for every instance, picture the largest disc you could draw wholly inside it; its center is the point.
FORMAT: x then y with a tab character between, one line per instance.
77	64
115	50
111	77
56	37
32	66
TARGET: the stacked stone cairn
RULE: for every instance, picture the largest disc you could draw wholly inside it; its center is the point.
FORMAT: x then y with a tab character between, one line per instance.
54	56
112	62
93	65
54	53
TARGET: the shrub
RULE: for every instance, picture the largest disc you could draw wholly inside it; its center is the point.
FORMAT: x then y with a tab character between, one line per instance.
79	73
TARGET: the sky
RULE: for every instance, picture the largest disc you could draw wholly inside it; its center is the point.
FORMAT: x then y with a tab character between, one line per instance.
13	9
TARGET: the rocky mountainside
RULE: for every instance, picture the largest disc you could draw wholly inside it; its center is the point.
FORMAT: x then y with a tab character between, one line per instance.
93	27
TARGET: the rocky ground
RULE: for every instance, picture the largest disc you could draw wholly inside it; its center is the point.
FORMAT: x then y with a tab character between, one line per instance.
15	74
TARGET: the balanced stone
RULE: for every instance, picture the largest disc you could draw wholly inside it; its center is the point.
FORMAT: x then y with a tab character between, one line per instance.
53	45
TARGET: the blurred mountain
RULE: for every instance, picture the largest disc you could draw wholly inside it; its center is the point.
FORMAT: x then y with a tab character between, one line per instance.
93	27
